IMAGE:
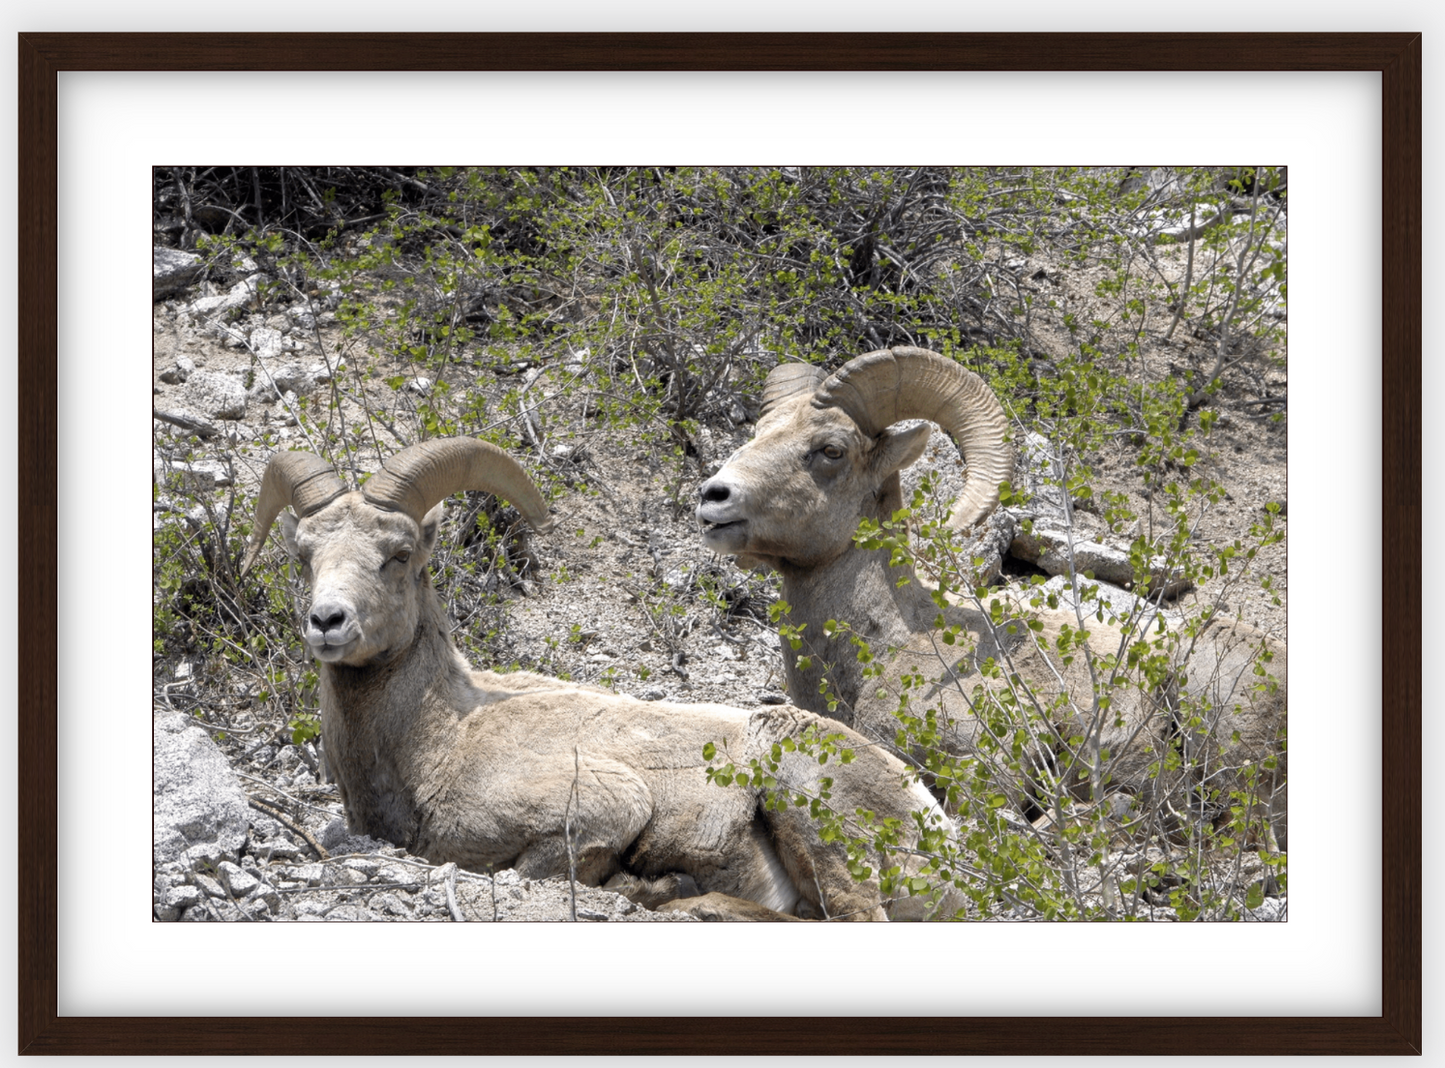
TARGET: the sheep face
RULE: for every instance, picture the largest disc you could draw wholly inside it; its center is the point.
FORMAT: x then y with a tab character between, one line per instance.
792	496
366	567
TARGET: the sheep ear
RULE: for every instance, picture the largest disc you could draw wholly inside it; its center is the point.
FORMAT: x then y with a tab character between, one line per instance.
896	449
431	524
288	531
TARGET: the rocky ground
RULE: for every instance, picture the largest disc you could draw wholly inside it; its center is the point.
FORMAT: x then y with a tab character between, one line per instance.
620	593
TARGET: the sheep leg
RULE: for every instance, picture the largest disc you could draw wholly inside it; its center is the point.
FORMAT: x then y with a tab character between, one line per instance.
653	893
820	871
722	908
547	857
679	892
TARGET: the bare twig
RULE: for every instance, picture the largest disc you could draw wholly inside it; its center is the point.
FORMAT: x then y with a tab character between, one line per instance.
294	800
567	831
1188	277
448	873
282	817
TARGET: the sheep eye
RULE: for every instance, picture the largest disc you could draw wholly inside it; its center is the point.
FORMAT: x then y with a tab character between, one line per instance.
832	452
403	556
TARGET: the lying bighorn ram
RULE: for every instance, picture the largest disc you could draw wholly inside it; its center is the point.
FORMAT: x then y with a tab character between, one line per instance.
826	454
499	770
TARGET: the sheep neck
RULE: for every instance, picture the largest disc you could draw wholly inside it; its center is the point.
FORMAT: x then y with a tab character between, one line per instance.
883	604
383	723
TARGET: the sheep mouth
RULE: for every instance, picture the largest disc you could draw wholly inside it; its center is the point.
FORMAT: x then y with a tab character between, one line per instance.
330	654
327	651
725	537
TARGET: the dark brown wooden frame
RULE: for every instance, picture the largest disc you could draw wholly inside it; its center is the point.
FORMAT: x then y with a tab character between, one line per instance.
1397	56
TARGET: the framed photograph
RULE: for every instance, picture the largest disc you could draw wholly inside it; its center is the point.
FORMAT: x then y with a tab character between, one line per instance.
96	975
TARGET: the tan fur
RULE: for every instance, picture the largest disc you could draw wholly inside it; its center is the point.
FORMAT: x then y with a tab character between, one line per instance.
490	770
781	502
721	908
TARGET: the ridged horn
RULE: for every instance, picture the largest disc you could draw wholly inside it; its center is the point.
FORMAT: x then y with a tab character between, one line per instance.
301	479
880	388
788	379
416	478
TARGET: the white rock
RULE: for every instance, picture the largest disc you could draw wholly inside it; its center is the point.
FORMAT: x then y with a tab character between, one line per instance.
238	296
180	372
349	914
183	896
1118	603
239	882
301	317
171	269
1271	910
197	799
201	476
214	395
310	874
1049	549
266	343
1039	473
292	378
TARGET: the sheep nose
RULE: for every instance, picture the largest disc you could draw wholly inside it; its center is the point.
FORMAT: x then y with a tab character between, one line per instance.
715	491
326	617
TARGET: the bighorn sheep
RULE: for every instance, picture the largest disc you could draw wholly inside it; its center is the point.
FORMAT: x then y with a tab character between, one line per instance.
825	454
520	770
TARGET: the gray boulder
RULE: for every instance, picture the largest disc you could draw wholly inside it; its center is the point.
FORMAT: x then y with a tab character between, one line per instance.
198	801
172	269
180	372
214	395
266	343
238	296
292	378
1118	604
302	317
1049	549
1039	474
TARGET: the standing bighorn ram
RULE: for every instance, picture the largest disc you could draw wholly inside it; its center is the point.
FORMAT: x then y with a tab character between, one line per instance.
825	454
519	770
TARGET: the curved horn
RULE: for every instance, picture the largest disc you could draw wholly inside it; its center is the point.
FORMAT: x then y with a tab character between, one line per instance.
301	479
788	379
878	389
416	478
